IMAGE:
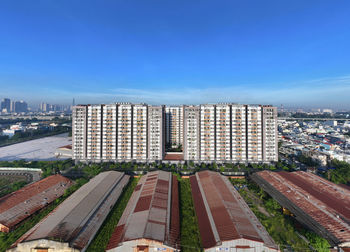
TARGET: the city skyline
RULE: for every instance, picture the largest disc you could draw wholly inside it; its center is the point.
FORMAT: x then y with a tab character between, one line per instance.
294	54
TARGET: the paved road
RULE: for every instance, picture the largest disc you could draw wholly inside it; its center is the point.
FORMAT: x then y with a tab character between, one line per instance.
38	149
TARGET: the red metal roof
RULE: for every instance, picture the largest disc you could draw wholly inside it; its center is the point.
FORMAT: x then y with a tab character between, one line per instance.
152	212
76	220
327	204
173	156
207	235
222	214
17	206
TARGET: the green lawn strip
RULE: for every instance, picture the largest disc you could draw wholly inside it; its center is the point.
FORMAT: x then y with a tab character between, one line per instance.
190	237
100	242
7	239
280	226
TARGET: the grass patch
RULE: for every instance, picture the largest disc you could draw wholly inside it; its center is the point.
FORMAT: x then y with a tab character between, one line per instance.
100	242
190	237
9	184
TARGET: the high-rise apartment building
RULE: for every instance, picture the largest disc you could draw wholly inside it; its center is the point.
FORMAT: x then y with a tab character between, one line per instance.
230	133
238	133
269	136
156	132
209	132
118	132
139	129
79	130
191	144
109	132
223	132
174	125
124	132
94	132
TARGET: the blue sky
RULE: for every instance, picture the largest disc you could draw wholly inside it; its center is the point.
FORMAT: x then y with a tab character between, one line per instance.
168	52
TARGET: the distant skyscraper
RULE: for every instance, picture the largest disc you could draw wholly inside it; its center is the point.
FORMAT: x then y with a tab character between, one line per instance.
20	106
6	105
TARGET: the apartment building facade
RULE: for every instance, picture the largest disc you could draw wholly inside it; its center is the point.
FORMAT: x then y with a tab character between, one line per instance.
210	132
118	132
230	133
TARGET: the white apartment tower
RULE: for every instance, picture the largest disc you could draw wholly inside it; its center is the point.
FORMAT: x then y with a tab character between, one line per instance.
94	132
109	132
191	142
118	132
209	132
238	134
223	132
156	132
254	133
139	132
79	127
269	136
124	132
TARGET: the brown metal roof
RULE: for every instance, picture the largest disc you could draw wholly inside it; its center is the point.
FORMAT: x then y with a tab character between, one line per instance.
152	212
318	203
222	214
207	235
174	157
17	206
79	217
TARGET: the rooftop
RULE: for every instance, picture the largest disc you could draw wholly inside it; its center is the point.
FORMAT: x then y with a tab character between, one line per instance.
79	217
152	212
222	213
19	205
323	205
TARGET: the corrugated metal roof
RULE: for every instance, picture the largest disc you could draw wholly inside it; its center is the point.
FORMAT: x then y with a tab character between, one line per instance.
222	214
79	217
152	212
323	205
19	205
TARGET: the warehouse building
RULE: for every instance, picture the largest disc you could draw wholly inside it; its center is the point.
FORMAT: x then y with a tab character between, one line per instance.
322	206
150	221
74	223
19	205
225	221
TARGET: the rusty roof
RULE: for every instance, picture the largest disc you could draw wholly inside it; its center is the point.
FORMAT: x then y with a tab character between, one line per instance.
152	212
19	205
320	201
222	213
79	217
173	156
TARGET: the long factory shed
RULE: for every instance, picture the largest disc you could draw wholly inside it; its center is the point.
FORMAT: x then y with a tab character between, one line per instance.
317	203
150	221
225	221
21	204
74	223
